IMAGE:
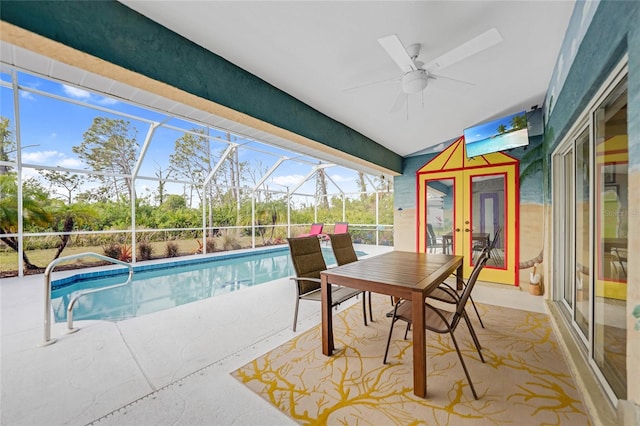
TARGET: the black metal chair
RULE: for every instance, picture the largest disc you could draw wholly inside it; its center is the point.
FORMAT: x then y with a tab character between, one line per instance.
442	321
432	241
621	259
308	262
448	294
494	254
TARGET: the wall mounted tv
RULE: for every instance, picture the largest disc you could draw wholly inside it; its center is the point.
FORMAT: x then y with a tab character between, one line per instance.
497	135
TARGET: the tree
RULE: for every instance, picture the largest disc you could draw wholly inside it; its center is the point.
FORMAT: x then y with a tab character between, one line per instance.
7	144
174	213
110	146
321	189
362	186
174	202
67	217
532	162
34	211
192	159
383	184
70	182
519	122
267	213
162	180
502	128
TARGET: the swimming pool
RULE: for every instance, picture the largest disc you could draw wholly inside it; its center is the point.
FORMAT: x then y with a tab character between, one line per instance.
166	285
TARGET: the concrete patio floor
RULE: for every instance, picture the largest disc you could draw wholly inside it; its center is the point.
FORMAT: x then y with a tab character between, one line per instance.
168	367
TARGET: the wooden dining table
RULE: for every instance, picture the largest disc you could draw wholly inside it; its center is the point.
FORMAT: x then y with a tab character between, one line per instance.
407	275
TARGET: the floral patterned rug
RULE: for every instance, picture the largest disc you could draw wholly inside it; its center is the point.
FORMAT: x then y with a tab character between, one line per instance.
525	380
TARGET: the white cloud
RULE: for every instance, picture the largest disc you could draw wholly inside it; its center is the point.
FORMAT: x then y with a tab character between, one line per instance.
52	158
41	157
30	173
340	178
107	101
289	180
27	95
84	95
76	93
70	163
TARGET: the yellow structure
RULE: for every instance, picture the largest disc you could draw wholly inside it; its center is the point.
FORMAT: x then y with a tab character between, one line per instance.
461	184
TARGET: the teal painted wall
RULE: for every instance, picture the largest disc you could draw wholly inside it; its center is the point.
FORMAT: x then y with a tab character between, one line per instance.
112	32
614	31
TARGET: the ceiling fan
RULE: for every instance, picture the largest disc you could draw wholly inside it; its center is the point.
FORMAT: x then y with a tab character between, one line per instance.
416	74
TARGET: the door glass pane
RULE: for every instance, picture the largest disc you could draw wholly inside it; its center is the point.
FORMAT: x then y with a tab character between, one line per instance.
487	219
612	209
583	273
440	219
568	236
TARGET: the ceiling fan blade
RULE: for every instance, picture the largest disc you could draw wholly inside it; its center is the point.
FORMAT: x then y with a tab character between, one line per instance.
442	77
394	48
373	83
400	102
465	50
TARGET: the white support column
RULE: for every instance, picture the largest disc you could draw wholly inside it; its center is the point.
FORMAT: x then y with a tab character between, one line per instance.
16	111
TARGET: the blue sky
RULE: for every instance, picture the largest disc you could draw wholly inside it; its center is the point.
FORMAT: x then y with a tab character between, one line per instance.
50	127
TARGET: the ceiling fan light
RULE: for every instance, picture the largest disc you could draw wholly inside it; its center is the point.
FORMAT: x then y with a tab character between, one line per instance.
414	82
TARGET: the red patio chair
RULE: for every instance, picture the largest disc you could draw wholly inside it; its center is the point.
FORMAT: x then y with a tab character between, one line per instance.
316	229
339	228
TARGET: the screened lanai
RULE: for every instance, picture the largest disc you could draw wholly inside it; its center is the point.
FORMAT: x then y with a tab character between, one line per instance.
85	168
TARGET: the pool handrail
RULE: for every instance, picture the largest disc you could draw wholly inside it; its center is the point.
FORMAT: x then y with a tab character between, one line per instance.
47	291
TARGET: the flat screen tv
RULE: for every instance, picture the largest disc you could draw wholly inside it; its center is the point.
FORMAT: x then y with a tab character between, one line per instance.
497	135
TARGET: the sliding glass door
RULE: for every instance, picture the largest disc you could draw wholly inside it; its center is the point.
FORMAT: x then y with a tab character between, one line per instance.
610	248
582	206
590	197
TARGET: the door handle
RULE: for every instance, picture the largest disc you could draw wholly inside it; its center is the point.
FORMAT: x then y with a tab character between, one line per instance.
467	230
457	229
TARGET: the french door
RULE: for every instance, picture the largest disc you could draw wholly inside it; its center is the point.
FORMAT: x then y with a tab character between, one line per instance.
462	211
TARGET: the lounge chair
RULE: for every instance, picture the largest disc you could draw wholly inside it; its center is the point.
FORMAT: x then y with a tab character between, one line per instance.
338	228
316	230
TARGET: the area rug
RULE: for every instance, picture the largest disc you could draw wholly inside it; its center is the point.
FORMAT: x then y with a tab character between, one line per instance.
525	380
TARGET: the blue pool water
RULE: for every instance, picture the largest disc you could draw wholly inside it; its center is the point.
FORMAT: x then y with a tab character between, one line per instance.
164	286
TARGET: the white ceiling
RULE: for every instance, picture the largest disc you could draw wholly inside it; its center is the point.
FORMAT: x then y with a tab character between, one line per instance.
315	50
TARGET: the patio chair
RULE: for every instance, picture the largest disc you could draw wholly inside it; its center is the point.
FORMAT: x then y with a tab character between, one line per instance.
308	262
338	228
316	230
342	246
432	241
621	259
442	321
494	254
448	294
